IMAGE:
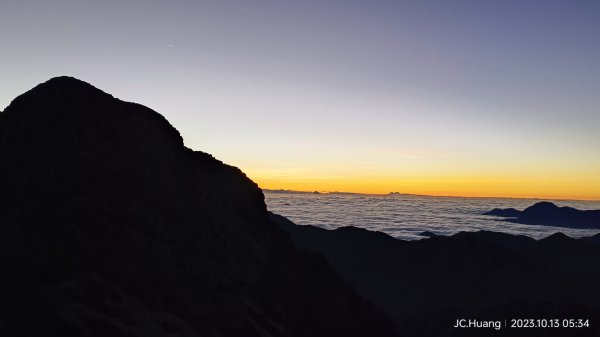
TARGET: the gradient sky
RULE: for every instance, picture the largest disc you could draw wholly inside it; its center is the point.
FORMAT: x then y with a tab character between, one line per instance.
475	98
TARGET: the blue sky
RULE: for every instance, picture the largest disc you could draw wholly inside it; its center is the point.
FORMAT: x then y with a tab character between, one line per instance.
416	96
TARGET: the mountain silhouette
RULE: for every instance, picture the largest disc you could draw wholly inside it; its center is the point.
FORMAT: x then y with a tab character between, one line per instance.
425	285
548	214
110	226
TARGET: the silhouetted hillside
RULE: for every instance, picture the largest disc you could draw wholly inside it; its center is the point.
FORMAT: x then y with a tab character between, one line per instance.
426	285
548	214
111	227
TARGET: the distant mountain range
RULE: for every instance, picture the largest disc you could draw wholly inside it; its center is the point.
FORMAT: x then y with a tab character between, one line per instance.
548	214
306	192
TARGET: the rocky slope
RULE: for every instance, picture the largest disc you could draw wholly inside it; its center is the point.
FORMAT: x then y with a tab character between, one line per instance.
109	226
426	285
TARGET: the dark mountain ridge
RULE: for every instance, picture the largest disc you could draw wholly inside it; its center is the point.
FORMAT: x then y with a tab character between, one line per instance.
425	285
548	214
109	226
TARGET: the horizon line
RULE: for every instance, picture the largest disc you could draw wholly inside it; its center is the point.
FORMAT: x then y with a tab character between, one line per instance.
281	190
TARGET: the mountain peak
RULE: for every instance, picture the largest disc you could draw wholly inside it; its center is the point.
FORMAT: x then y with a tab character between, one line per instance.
68	109
61	88
69	83
544	205
65	79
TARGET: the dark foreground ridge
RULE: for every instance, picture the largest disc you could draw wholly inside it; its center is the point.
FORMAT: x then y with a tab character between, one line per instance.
426	285
109	226
548	214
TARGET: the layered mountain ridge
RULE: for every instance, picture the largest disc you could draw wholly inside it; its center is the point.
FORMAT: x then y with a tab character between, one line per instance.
426	285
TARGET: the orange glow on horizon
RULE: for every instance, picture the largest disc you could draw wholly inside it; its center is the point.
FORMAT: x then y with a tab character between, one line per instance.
540	188
552	176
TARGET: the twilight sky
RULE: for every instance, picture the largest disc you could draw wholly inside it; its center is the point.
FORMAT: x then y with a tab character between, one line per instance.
474	98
